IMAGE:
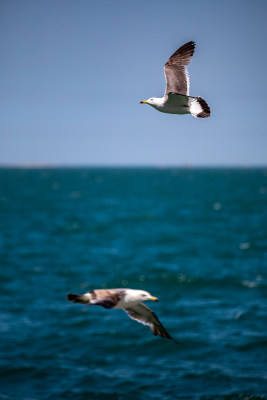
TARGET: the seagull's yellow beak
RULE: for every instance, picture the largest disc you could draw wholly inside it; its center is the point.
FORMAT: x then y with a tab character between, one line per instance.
143	101
154	298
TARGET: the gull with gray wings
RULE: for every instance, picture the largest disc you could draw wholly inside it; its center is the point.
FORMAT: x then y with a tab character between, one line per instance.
129	300
176	99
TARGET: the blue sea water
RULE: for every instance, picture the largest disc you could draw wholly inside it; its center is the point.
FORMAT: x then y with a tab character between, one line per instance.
195	238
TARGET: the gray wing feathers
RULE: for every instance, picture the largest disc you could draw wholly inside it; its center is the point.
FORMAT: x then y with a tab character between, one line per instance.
107	298
177	80
107	302
146	316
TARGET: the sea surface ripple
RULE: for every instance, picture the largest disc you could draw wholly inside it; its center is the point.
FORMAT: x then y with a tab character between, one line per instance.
195	238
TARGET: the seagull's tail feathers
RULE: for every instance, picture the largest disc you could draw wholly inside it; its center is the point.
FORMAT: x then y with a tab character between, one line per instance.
78	298
199	108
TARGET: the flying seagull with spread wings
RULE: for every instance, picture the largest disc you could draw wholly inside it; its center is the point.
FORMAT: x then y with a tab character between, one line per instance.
176	99
130	300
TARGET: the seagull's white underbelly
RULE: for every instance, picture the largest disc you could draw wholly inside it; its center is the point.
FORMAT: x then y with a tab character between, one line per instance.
173	109
123	303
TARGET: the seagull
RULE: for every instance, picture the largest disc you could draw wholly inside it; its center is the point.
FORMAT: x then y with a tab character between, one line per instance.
176	99
129	300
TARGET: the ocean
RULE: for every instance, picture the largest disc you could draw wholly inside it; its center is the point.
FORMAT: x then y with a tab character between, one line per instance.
194	238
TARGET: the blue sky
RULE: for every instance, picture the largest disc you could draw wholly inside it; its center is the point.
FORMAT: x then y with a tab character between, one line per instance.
72	74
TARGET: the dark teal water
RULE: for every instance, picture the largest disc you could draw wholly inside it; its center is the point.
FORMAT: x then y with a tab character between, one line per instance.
195	238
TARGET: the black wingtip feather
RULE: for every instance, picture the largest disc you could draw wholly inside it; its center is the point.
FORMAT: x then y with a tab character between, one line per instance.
73	297
205	108
183	54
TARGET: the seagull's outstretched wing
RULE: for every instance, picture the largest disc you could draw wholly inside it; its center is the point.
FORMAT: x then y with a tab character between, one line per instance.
107	298
146	316
177	79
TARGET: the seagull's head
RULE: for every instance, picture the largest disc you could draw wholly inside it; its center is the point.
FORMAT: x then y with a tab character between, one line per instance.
156	102
151	101
134	296
144	296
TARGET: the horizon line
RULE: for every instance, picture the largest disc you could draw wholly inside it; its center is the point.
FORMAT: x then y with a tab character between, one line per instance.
152	166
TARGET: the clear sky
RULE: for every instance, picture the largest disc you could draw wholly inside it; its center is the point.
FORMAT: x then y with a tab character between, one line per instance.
72	74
